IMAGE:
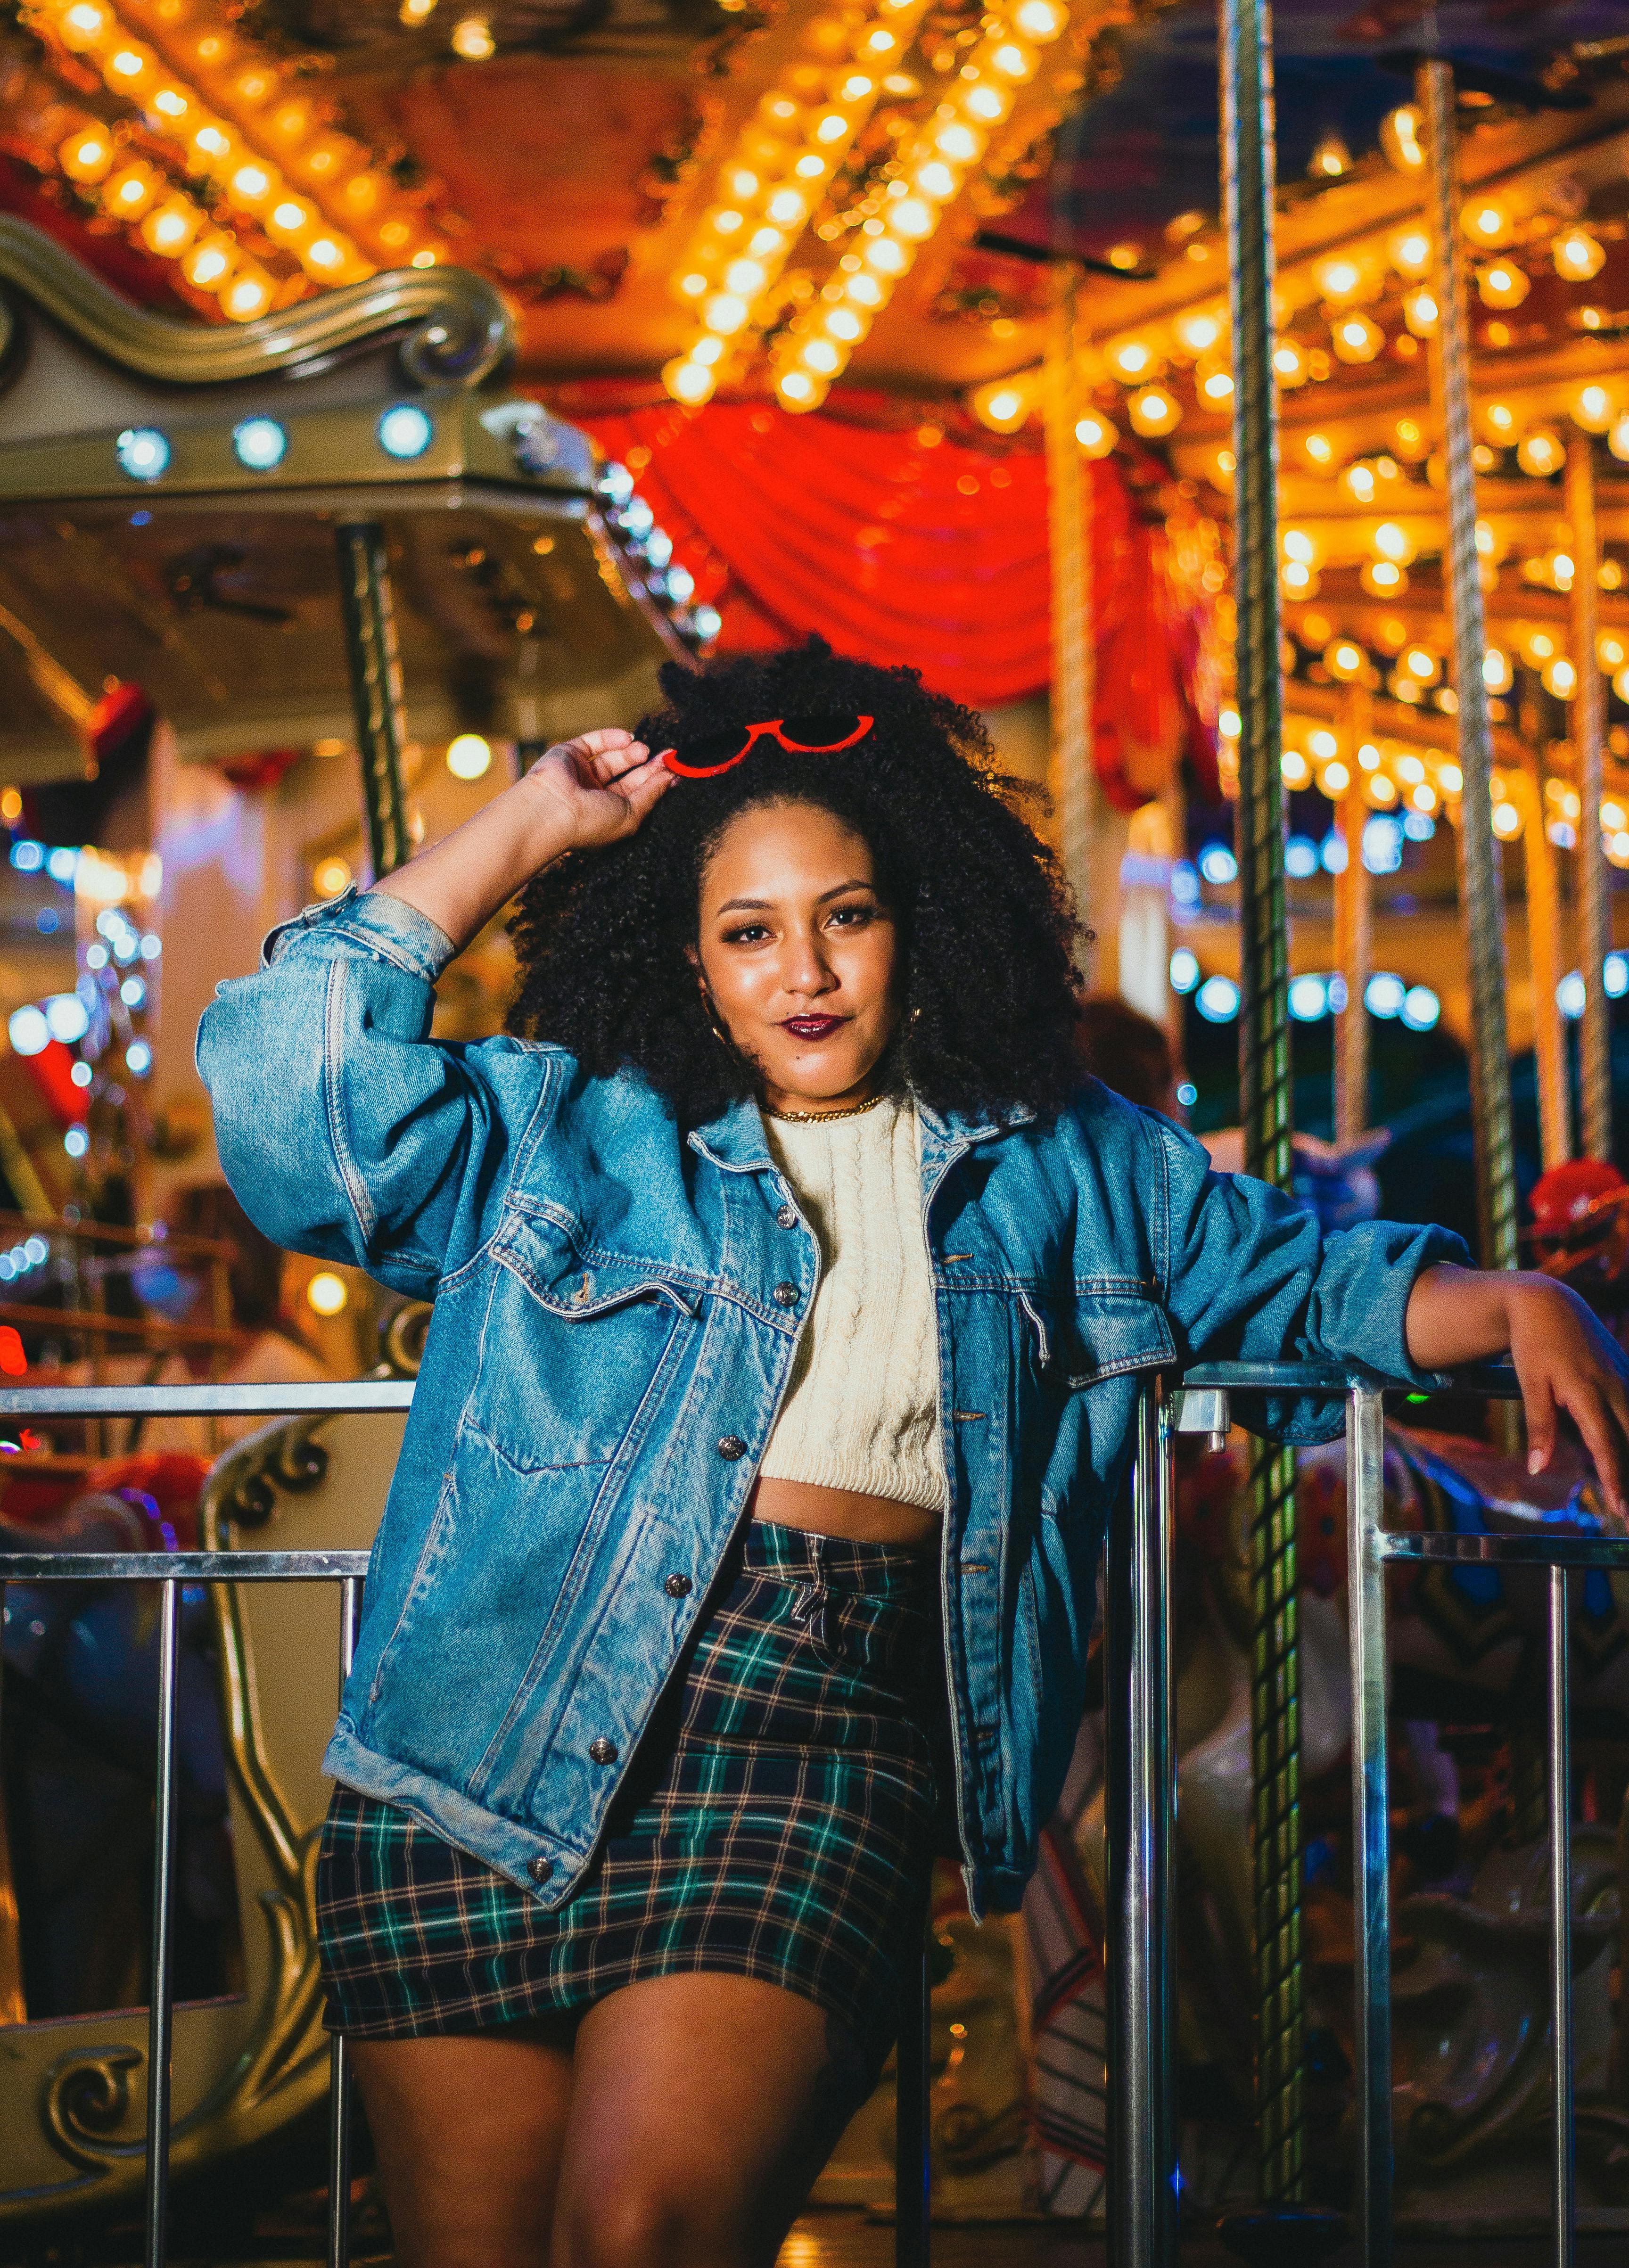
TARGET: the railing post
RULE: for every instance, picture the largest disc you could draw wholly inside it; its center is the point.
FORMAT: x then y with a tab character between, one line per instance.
1141	2092
1365	1452
339	2055
160	2005
1563	2178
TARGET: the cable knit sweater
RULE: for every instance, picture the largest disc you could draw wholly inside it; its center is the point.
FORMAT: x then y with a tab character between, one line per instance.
862	1409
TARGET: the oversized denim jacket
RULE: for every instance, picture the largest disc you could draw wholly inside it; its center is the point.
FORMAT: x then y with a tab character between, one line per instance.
618	1301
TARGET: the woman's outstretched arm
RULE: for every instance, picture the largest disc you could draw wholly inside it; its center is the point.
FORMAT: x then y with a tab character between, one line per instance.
587	791
1564	1358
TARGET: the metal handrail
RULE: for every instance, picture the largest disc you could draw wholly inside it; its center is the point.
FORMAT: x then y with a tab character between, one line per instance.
1144	2176
169	1569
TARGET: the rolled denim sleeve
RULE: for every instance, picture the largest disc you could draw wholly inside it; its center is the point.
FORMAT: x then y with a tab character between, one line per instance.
1249	1278
346	1130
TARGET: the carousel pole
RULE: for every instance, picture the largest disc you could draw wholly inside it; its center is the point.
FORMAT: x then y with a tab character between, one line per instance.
1070	509
1248	158
1589	735
1355	927
1543	960
375	689
1481	901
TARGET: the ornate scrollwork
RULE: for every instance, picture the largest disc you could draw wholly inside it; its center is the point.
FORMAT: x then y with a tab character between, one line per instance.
456	326
290	1459
87	2100
404	1336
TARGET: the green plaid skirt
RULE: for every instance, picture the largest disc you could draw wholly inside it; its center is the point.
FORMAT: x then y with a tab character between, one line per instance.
778	1821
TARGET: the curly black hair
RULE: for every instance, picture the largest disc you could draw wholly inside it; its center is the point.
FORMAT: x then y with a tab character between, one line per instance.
989	989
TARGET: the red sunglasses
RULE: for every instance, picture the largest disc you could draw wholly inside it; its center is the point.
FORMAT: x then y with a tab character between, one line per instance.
709	753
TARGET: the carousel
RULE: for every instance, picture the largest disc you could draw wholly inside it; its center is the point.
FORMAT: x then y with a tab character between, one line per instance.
1235	412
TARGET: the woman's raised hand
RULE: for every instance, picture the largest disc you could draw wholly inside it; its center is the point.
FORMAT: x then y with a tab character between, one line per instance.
601	784
588	792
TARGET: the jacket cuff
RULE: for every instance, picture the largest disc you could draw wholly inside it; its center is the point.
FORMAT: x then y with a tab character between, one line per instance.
382	925
1424	1248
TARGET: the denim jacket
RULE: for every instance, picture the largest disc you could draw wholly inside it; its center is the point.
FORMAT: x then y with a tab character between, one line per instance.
617	1303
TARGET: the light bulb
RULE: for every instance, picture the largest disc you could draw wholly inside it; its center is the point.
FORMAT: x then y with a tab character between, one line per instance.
1393	543
1360	483
821	356
1541	453
1357	339
1198	330
1421	312
1039	20
1577	256
1408	252
1502	284
1339	279
725	314
688	381
1289	363
1154	411
959	143
1500	423
1012	61
1592	408
1131	359
1400	132
1485	221
1095	435
745	279
938	181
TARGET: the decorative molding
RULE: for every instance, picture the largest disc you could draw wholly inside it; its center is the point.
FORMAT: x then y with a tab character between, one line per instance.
458	327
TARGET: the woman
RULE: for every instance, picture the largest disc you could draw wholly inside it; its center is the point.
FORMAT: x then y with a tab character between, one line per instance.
789	1301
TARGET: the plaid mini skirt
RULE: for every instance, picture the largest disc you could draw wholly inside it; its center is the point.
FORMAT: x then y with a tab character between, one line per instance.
778	1820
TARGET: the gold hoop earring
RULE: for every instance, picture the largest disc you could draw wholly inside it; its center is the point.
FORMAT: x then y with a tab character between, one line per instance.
718	1033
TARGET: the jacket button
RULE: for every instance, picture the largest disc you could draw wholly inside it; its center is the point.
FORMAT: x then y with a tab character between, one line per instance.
540	1869
785	1218
785	1295
678	1586
731	1446
602	1751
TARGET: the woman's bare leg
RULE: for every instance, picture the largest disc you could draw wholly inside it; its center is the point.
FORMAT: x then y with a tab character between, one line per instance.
702	2109
468	2133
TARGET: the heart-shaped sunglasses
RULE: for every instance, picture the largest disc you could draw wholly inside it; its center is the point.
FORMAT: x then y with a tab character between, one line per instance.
709	753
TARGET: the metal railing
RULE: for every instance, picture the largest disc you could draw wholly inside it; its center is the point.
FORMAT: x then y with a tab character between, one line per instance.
1144	2180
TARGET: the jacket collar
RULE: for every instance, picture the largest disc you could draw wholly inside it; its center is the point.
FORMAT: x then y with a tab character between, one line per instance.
734	1141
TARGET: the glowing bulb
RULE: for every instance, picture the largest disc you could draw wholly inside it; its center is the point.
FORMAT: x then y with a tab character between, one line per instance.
86	157
708	351
325	1294
249	296
1409	253
170	104
1339	279
1560	678
1039	20
1506	822
912	219
745	279
1217	389
1393	543
1095	435
128	63
1384	577
1198	331
1592	408
206	265
472	39
1503	284
1154	411
1357	339
290	216
959	144
725	314
842	323
1360	482
1344	659
469	756
1577	256
1131	360
1319	449
82	24
1421	312
797	389
1012	61
1500	424
251	184
1420	664
821	356
693	285
324	253
1289	363
1541	453
1485	221
787	208
1297	544
1399	137
688	381
938	181
886	256
832	127
989	104
171	229
865	290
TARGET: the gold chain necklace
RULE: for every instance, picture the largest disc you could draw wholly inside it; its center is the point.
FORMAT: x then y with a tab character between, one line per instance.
816	1117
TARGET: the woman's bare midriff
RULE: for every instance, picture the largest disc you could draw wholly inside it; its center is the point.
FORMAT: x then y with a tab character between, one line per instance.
843	1512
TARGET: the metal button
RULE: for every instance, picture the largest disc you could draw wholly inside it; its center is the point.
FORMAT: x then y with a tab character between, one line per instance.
785	1218
678	1586
540	1869
785	1295
602	1751
731	1446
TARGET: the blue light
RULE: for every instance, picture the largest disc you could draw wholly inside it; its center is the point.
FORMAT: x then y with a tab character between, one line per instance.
132	992
1570	994
1384	995
1185	970
1338	995
1382	845
259	443
76	1142
637	518
1309	998
1301	858
1184	884
615	481
1615	975
1217	999
141	518
1420	1008
142	452
1218	865
65	1018
658	548
708	621
138	1059
680	585
27	856
30	1034
1187	1094
405	430
45	921
1418	826
1332	853
62	864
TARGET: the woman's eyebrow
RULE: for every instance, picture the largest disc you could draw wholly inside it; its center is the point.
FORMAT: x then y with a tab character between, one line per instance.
764	905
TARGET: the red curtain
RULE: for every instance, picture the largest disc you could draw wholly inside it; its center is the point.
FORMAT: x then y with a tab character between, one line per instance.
911	546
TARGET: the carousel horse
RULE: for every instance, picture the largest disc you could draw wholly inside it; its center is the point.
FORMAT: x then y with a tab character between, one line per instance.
1467	1651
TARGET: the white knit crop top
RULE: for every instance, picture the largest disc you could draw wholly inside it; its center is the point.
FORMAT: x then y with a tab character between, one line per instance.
862	1409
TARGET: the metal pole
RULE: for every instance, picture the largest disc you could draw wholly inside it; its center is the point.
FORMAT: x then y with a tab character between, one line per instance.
1070	516
1354	929
913	2170
160	2000
1366	1591
1248	151
1588	737
376	689
339	2052
1562	2172
1543	960
1141	2097
1481	901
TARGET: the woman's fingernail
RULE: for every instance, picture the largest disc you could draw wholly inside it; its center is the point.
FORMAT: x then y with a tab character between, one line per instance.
1534	1461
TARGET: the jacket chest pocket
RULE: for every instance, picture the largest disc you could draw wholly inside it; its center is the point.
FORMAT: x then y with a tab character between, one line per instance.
577	1343
1076	1341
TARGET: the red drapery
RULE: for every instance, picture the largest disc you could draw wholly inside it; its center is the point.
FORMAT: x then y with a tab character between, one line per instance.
909	546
